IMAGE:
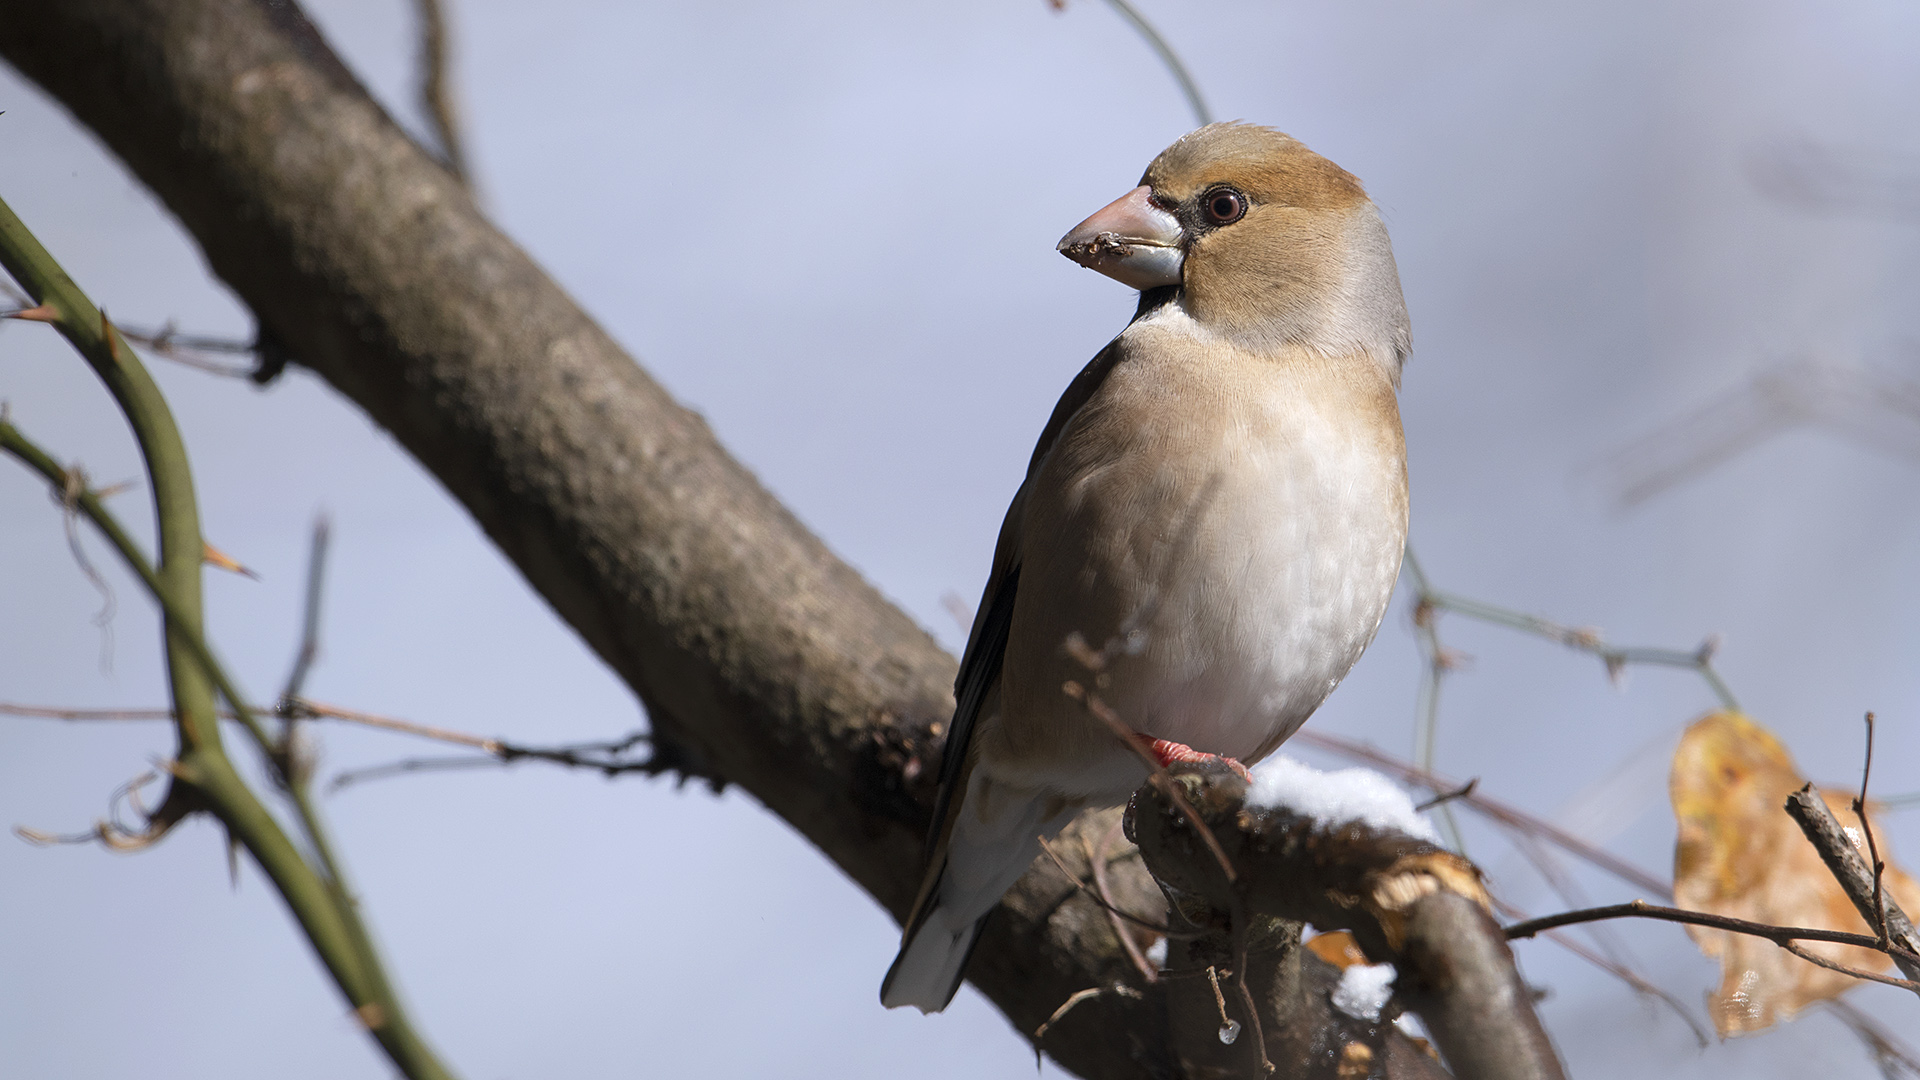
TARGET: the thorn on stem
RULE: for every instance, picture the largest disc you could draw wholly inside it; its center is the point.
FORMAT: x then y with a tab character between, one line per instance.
38	313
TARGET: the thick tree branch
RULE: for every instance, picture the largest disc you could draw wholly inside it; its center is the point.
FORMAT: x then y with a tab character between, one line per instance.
1406	902
755	650
760	657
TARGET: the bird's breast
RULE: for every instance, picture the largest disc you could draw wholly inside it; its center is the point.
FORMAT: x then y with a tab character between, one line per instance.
1234	521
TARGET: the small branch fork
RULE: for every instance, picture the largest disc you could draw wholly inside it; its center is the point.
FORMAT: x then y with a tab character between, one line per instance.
1893	930
1893	936
193	350
1878	920
1779	935
1429	603
608	757
1612	967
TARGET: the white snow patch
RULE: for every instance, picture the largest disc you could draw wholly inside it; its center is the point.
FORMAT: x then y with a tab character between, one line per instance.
1364	990
1335	798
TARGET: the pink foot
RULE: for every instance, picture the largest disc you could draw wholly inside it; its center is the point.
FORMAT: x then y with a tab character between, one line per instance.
1167	752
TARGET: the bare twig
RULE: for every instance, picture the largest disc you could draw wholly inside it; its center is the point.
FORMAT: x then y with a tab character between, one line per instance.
1188	88
1612	967
1879	919
1147	971
1156	774
1853	972
1615	658
309	648
1460	792
307	708
1242	924
73	486
1888	1052
609	758
1640	909
194	350
1094	895
1076	998
1501	812
436	92
1843	860
1825	177
1877	408
1439	661
54	712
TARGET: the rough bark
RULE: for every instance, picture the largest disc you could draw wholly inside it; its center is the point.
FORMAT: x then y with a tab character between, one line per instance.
760	657
1405	901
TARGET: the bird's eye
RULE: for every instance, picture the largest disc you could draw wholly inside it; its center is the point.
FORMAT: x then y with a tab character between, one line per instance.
1223	206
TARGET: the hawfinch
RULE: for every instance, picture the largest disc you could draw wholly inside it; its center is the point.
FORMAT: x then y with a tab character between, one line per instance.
1221	494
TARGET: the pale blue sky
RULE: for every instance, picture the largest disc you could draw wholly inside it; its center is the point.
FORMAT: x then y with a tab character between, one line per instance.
830	229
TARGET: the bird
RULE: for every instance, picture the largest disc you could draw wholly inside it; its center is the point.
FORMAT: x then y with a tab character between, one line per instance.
1218	502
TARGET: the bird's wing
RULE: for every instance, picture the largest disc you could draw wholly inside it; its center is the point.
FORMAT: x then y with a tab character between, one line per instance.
986	647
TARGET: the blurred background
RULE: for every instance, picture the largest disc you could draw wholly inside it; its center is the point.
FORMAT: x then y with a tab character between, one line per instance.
1660	259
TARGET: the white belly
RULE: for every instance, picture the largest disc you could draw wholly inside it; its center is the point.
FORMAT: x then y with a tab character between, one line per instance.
1239	522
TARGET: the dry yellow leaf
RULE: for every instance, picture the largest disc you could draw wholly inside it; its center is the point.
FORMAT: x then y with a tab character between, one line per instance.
1338	948
1740	855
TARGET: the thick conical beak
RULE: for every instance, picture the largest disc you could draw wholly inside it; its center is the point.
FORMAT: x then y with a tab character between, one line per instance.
1131	241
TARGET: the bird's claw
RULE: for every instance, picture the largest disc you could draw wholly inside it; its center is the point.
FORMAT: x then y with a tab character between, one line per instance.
1168	752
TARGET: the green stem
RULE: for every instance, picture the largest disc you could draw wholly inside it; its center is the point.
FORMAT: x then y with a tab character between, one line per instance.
175	509
320	902
202	773
1168	57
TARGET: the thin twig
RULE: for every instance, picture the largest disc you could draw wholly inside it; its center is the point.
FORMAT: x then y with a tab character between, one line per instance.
1460	792
604	756
1067	1006
309	648
1568	889
1242	925
1430	602
436	93
1492	808
1132	947
1808	808
1640	909
1201	114
1156	773
1873	849
308	708
1815	959
1081	884
1615	658
1618	970
1888	1052
1439	661
68	497
607	758
192	350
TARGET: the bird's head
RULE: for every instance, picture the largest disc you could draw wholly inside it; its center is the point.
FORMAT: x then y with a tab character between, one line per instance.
1261	239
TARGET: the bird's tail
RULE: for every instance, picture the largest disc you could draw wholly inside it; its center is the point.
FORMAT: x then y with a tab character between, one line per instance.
932	959
985	850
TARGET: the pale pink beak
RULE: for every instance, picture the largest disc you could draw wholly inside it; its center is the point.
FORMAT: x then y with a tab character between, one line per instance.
1131	241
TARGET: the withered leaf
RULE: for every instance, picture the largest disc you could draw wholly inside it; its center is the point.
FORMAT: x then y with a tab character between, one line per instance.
1740	855
1338	948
